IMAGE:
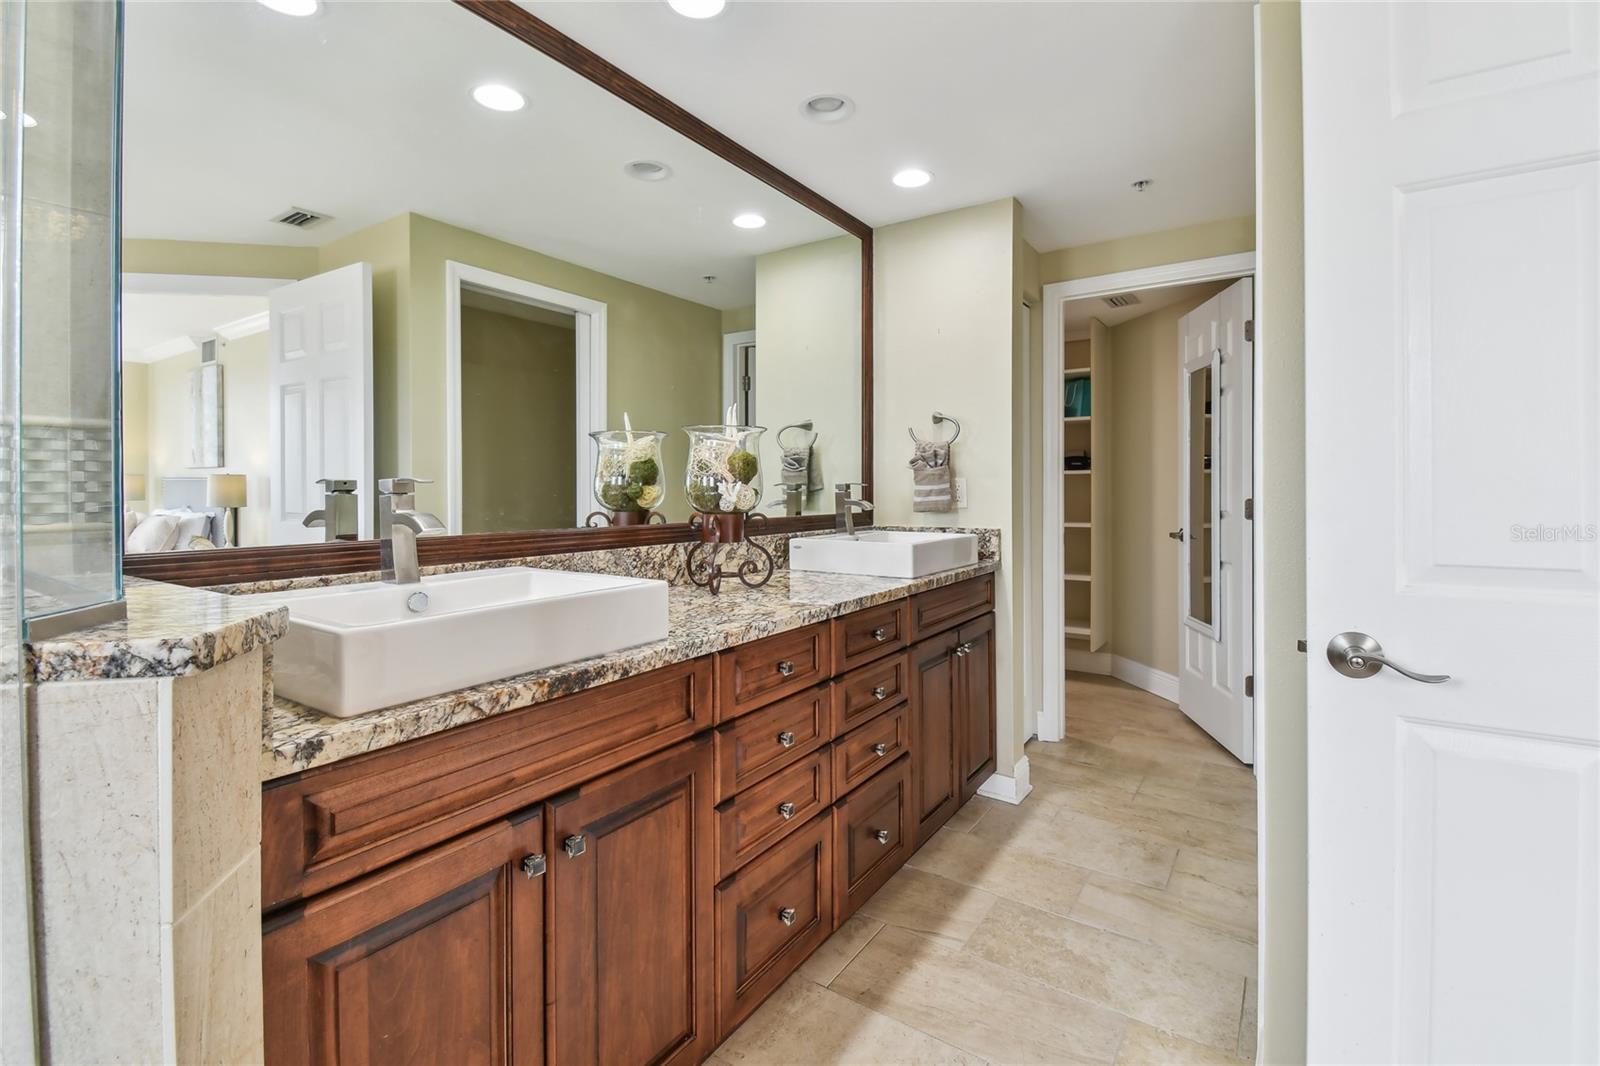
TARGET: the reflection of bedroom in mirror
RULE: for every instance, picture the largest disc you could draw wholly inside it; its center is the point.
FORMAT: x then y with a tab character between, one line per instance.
368	293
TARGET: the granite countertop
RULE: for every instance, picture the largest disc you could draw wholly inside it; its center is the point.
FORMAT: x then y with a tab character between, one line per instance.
170	631
299	738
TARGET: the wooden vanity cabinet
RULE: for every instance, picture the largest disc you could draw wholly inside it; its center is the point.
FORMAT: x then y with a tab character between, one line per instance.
953	739
975	704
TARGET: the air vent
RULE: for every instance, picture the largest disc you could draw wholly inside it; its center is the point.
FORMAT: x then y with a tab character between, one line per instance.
300	218
1124	299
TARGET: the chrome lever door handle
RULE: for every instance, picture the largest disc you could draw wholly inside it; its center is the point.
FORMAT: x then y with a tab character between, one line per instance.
1176	534
1358	655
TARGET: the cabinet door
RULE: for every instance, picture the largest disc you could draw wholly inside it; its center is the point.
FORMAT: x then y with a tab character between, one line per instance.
437	959
935	733
976	705
631	931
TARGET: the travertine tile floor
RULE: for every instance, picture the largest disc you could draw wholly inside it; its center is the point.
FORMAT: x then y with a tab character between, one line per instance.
1111	918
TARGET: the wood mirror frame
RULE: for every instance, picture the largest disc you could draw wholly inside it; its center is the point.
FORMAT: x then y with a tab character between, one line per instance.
232	565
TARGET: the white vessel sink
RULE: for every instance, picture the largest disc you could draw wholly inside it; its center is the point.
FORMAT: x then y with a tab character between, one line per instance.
355	648
884	553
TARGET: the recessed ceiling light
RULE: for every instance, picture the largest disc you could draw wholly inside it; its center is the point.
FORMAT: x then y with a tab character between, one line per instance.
499	98
698	9
749	220
647	170
28	121
297	8
829	107
912	178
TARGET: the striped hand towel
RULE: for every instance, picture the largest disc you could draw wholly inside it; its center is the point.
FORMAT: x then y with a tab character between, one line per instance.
930	475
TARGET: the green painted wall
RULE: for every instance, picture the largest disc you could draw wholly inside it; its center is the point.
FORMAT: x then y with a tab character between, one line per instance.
1202	241
211	259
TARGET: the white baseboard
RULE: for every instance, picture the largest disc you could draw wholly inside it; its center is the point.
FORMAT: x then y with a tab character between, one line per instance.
1156	682
1089	662
1013	789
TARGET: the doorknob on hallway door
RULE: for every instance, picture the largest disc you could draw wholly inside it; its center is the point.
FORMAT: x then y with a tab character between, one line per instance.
1176	534
1357	655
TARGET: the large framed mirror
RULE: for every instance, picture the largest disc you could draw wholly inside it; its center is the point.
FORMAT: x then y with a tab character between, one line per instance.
441	241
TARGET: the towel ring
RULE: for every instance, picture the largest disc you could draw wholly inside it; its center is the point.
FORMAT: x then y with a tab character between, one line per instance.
803	426
938	418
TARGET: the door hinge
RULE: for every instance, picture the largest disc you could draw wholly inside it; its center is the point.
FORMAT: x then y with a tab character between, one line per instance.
1249	686
1250	330
1249	508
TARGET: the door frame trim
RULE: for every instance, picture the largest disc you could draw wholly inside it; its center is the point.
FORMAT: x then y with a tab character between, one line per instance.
1053	654
731	343
590	371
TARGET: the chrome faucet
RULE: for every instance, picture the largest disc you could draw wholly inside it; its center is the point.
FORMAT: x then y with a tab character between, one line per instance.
399	526
845	508
338	517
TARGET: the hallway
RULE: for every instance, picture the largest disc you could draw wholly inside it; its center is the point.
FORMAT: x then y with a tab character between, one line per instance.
1111	918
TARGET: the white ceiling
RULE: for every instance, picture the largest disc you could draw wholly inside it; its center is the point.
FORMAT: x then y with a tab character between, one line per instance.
234	113
1060	104
154	324
1077	313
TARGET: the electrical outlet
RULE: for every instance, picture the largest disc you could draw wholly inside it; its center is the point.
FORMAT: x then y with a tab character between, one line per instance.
960	492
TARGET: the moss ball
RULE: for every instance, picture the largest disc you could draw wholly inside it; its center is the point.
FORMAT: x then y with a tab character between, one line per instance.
742	465
615	496
705	498
644	471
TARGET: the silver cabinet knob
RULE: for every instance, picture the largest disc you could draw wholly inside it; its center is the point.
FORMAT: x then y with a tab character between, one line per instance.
786	668
879	692
1358	655
786	739
880	749
960	650
880	634
786	916
881	836
575	845
786	811
966	648
533	865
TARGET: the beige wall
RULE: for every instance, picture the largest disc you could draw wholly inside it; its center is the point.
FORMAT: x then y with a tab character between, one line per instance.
1143	395
518	450
211	259
1028	483
136	425
808	358
739	319
1224	237
944	298
1280	535
244	421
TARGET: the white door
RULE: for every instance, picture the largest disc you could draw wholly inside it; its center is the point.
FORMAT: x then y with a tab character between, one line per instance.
320	396
1453	485
1214	600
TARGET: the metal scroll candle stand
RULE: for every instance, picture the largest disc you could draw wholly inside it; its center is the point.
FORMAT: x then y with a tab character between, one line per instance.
723	483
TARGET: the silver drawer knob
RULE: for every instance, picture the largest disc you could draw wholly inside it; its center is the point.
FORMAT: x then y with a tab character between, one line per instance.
575	845
786	811
880	749
880	634
881	836
786	916
786	739
786	668
879	693
533	865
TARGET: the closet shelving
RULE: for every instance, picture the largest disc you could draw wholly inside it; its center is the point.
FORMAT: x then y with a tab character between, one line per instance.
1085	497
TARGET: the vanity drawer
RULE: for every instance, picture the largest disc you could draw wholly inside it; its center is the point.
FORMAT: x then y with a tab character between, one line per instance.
866	691
767	740
328	825
770	917
872	833
939	609
771	809
755	674
871	747
866	635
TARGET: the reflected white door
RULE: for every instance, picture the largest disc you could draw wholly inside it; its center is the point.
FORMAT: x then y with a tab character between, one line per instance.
320	396
1453	485
1215	436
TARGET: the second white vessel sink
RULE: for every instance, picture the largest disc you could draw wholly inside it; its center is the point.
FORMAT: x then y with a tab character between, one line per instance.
884	553
355	648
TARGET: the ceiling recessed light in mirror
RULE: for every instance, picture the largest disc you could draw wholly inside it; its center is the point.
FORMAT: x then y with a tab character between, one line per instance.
647	170
297	8
828	107
698	9
749	220
912	178
499	97
28	121
1142	184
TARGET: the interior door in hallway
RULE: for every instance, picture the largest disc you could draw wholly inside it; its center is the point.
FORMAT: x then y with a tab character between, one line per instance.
1452	153
1215	573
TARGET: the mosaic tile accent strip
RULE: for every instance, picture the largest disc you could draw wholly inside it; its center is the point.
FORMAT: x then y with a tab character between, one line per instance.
68	471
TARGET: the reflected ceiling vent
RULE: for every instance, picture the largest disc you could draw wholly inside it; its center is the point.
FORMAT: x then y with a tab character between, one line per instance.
1124	299
647	170
300	218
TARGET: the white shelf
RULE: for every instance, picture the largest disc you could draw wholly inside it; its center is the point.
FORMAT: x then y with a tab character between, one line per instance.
1077	627
1075	372
1077	418
1086	577
1075	525
1077	473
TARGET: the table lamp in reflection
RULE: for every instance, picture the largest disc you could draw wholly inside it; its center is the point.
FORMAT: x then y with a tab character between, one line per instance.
227	490
132	488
